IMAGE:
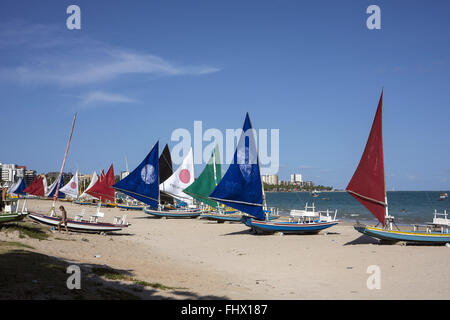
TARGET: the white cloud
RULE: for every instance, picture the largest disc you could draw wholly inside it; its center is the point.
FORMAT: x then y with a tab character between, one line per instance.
51	57
99	97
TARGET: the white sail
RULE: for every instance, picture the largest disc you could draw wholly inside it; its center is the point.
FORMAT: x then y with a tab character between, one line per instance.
71	188
84	195
44	181
180	180
49	190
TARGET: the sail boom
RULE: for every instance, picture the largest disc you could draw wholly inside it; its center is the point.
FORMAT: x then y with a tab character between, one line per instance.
135	193
238	202
368	182
367	198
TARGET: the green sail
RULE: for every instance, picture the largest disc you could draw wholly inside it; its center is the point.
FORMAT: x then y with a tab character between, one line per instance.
202	187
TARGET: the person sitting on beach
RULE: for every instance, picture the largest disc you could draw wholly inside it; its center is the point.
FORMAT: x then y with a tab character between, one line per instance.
63	220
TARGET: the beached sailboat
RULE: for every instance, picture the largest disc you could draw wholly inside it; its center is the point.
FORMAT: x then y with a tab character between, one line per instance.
12	210
79	223
142	183
17	188
164	173
368	187
103	188
52	189
37	187
71	188
241	188
182	178
202	187
87	199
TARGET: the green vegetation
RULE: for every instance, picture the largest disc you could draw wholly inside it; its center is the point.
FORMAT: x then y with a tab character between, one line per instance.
294	188
112	274
25	230
30	275
4	244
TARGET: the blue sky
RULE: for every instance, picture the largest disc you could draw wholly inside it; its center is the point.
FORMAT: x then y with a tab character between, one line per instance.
138	70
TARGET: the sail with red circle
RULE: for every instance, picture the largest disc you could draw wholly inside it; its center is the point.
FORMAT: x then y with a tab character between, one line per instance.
103	189
367	184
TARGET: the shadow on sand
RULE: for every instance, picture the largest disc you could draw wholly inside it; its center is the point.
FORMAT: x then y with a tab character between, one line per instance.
30	275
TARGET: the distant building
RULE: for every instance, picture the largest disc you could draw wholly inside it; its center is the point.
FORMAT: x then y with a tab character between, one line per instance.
270	179
307	184
123	174
29	176
296	178
51	176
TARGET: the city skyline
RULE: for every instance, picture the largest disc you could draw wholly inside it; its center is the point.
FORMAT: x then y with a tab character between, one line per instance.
312	70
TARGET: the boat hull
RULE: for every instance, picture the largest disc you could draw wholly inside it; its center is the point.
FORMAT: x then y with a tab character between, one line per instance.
79	226
404	236
173	213
11	217
222	217
87	203
287	227
120	206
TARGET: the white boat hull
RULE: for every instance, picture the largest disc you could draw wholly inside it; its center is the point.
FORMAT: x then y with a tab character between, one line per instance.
81	226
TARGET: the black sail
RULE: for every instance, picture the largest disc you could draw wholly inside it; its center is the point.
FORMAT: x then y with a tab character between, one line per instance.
165	171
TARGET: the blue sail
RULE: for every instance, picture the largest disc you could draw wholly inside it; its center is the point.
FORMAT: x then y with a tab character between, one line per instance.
241	187
51	193
143	182
22	186
18	187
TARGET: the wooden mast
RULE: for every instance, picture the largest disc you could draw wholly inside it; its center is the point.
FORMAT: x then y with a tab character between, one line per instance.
62	166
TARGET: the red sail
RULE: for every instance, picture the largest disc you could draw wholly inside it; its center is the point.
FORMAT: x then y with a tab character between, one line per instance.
367	184
32	186
36	188
103	189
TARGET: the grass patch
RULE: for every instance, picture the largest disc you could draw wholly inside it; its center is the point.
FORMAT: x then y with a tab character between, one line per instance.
14	244
112	274
30	275
25	230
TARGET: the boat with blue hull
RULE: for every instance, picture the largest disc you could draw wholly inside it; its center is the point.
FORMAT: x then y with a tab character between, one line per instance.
241	188
426	236
286	227
229	217
232	216
173	213
368	187
130	207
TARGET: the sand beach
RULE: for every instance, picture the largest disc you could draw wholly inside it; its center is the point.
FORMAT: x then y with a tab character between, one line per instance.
197	259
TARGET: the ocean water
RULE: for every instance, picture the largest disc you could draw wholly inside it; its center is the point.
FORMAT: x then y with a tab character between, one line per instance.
406	206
